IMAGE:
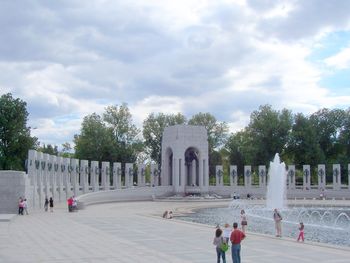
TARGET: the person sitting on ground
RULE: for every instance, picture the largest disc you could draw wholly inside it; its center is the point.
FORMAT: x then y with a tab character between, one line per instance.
165	214
170	215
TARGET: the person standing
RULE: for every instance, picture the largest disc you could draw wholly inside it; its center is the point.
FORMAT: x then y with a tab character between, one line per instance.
51	204
46	204
20	206
244	221
278	222
236	238
301	232
226	233
25	206
217	242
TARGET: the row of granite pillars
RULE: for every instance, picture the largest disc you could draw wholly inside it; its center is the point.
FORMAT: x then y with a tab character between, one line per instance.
60	178
262	172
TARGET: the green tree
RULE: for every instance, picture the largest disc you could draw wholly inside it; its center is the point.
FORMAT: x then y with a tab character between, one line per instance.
95	141
49	149
344	138
269	132
217	131
15	139
153	128
329	124
217	135
127	138
303	147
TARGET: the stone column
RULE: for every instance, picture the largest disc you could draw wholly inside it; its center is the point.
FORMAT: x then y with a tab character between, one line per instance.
32	175
193	173
306	177
336	177
40	178
141	175
321	176
200	174
262	176
53	179
219	175
84	175
66	178
105	180
247	176
129	172
233	175
61	169
75	176
154	175
117	175
95	174
291	176
45	171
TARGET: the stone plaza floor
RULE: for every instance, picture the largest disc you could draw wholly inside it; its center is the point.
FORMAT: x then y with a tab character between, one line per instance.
136	232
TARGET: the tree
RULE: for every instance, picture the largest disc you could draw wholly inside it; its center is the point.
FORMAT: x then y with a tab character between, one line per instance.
15	139
112	138
329	124
127	137
303	147
217	131
95	141
153	128
49	149
269	132
217	134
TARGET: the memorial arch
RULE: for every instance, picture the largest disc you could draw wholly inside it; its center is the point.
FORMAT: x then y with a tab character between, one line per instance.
185	159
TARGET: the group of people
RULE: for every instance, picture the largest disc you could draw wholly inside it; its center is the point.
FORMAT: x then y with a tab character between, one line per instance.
223	238
168	214
72	204
234	236
48	203
22	206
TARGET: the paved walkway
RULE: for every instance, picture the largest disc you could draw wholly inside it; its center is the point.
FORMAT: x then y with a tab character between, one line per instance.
135	232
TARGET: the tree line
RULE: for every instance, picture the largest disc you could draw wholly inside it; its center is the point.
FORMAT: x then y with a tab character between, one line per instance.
320	138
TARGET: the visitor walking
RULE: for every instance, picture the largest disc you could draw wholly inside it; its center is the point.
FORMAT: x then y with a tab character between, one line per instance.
51	204
301	232
236	237
25	206
46	204
70	204
227	232
244	221
278	222
20	206
219	243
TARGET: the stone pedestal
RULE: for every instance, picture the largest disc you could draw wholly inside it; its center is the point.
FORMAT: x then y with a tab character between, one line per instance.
75	176
117	175
233	175
154	175
306	177
141	175
262	176
84	175
247	176
336	177
129	175
321	176
95	173
219	175
105	173
291	176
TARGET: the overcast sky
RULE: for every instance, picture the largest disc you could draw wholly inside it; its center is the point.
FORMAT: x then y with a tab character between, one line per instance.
68	59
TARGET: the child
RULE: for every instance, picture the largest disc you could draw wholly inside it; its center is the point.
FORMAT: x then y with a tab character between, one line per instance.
301	232
218	241
227	233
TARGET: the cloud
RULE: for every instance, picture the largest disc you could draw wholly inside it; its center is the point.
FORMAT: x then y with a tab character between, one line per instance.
340	60
69	59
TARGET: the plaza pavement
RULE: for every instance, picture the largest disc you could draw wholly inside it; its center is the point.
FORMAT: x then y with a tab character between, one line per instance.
136	232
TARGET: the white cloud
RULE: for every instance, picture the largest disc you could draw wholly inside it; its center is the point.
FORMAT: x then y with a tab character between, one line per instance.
225	57
340	60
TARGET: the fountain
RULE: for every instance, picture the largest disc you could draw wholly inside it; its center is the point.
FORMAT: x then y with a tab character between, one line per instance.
326	224
276	188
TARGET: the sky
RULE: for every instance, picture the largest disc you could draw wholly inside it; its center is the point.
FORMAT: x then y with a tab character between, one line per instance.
68	59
